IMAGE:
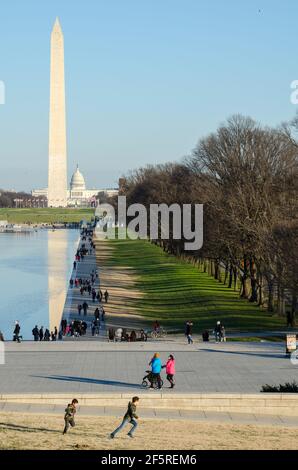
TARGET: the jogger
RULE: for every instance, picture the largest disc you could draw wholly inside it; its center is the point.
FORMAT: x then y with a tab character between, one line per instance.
70	411
129	417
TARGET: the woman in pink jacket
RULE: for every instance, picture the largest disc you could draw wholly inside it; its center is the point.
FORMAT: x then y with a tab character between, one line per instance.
170	370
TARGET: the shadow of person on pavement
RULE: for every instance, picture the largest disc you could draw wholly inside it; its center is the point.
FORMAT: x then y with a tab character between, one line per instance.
87	380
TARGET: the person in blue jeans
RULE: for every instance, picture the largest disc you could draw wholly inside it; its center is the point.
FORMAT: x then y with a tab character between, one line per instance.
156	367
129	417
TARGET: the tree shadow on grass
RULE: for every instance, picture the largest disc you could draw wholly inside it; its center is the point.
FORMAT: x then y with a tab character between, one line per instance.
87	380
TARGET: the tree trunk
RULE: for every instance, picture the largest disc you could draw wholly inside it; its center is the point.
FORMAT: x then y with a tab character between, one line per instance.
226	273
260	288
294	309
280	301
244	292
216	270
270	306
230	277
235	278
253	283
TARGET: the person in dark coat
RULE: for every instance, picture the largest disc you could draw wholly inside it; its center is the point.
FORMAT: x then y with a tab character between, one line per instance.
47	335
188	331
85	308
16	332
35	333
41	334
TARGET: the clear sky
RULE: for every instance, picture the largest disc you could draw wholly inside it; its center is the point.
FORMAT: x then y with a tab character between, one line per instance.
145	79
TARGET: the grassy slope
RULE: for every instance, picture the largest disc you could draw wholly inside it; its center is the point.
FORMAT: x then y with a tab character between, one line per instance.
46	215
176	291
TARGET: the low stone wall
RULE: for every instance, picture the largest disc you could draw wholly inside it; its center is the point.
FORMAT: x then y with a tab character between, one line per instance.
271	404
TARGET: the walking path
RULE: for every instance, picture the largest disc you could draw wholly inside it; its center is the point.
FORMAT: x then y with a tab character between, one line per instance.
96	367
74	298
165	414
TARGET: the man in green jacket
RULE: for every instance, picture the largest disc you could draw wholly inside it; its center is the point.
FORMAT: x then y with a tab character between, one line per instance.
129	417
70	411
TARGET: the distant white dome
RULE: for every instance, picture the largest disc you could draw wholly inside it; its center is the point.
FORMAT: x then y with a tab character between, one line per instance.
77	181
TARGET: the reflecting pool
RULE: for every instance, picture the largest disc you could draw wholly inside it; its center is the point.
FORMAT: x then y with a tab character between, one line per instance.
35	268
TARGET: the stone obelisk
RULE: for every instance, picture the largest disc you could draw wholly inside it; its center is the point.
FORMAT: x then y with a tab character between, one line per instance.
57	181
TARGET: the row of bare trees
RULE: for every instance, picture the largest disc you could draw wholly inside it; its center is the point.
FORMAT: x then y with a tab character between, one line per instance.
247	178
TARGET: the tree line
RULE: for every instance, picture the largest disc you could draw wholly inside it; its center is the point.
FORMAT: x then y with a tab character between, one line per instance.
246	175
7	198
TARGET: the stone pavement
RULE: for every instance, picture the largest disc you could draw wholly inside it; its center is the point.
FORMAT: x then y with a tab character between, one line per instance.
166	414
95	366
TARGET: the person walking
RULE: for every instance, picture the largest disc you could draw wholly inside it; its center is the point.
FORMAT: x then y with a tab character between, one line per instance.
170	370
188	331
106	296
47	335
103	315
41	334
217	332
16	332
129	417
155	364
70	412
222	334
35	333
85	308
80	309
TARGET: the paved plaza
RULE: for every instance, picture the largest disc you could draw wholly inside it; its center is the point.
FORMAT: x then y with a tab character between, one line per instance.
97	366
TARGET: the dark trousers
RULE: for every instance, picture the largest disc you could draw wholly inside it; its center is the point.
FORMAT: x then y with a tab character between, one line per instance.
170	378
69	421
156	377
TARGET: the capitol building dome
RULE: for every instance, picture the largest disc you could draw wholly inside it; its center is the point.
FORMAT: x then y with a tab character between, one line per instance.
77	194
77	182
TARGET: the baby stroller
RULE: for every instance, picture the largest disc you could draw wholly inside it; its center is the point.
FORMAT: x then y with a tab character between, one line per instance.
150	379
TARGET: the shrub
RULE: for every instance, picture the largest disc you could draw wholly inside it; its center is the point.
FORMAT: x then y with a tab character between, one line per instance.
288	387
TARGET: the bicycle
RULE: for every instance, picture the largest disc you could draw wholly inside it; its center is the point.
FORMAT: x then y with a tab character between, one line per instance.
160	333
151	379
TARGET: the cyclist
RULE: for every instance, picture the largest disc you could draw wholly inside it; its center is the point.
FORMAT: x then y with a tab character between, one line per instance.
156	326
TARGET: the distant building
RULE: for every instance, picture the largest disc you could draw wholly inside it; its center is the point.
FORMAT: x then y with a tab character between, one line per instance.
77	194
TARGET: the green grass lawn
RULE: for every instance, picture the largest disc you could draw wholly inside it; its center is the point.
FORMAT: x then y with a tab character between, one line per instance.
175	291
45	215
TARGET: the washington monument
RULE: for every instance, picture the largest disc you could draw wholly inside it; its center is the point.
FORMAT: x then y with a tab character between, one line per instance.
57	181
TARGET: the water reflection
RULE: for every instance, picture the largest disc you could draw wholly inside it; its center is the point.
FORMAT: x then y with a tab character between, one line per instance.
34	272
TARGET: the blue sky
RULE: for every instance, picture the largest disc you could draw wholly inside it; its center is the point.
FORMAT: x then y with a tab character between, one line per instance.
145	79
